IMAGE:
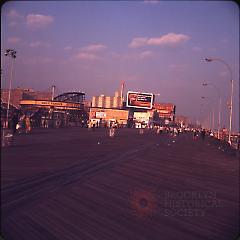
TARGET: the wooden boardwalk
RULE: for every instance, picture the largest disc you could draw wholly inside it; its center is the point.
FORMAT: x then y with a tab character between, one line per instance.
80	184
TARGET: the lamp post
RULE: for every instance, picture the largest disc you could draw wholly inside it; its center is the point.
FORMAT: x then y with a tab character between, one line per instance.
11	53
211	115
231	93
219	106
200	115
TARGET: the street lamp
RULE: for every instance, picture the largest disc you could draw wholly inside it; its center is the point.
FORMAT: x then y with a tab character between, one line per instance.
211	114
11	53
231	93
219	110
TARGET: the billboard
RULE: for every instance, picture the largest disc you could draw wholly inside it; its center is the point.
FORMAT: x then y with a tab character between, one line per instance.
165	110
139	100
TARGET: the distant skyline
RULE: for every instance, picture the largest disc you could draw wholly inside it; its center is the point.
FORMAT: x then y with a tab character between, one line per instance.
153	46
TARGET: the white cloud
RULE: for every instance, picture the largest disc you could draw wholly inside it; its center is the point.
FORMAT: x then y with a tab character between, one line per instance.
138	42
67	48
170	39
94	47
14	40
38	20
90	52
38	44
86	56
14	14
14	18
132	56
145	54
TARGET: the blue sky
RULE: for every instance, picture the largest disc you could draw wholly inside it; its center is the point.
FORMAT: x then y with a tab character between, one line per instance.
153	46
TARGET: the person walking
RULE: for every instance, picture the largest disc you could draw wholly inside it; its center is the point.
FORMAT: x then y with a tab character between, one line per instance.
203	134
175	132
14	123
21	124
194	134
28	124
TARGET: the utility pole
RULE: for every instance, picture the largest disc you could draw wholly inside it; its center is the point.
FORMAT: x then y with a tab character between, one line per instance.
12	54
53	91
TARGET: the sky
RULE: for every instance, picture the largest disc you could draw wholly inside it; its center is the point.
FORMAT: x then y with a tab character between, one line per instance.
153	46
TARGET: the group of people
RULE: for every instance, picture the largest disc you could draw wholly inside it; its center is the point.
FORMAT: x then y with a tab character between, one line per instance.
21	124
202	133
175	131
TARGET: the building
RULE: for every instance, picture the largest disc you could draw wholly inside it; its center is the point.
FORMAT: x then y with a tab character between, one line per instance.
108	110
142	119
63	110
160	114
16	95
113	102
108	117
19	94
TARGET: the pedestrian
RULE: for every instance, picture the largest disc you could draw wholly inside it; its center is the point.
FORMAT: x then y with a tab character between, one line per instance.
175	132
194	134
28	124
161	129
14	123
203	134
111	132
21	124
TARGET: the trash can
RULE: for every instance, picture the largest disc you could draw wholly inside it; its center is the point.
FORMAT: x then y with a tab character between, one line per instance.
7	137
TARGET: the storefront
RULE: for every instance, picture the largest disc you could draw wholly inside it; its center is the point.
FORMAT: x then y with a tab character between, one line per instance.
108	117
55	114
142	119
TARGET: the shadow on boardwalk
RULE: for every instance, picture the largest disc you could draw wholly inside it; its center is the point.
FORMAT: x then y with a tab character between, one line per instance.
80	184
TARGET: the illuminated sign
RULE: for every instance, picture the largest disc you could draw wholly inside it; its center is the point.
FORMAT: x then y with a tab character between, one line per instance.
100	115
108	114
141	116
55	104
164	108
139	100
